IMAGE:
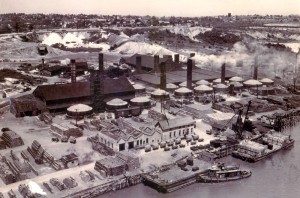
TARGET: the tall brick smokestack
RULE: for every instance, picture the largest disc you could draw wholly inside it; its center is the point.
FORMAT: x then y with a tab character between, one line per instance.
176	60
73	71
255	72
163	77
189	73
169	60
138	63
223	68
101	65
156	63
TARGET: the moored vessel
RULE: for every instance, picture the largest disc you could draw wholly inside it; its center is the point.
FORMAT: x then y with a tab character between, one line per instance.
221	173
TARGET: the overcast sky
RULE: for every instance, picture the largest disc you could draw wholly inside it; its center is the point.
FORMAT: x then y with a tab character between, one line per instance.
153	7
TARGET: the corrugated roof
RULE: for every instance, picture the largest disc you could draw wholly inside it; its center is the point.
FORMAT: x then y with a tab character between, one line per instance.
81	89
177	122
117	86
63	91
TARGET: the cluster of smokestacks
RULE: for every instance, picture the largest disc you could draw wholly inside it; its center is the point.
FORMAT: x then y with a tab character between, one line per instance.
156	65
162	66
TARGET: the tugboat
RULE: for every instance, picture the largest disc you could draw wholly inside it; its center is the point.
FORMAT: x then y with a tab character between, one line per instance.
221	173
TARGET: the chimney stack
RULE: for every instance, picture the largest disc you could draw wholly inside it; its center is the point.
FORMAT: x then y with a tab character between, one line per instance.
189	73
156	63
169	60
101	65
43	63
73	71
255	72
163	77
223	73
176	60
138	62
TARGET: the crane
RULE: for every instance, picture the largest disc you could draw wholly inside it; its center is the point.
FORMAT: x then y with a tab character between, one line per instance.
239	127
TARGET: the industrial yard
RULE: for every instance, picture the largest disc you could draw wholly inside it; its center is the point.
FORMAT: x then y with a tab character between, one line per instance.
89	111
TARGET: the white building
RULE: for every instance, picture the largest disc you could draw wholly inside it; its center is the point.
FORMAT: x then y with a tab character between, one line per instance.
129	137
125	136
176	128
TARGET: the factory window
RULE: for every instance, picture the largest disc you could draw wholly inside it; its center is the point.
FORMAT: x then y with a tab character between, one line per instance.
137	142
191	129
140	141
187	131
179	132
146	140
170	134
174	133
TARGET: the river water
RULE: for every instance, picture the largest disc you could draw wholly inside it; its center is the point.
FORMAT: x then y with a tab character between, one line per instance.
277	176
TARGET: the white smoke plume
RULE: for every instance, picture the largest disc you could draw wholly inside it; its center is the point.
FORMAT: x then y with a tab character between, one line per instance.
271	62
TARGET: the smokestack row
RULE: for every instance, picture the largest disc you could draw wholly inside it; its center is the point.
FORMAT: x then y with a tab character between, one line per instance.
73	71
163	77
189	73
223	73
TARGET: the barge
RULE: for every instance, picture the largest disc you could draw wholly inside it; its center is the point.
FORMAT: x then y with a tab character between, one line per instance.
252	151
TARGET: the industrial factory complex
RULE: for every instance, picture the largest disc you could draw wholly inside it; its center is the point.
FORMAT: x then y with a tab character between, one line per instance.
94	111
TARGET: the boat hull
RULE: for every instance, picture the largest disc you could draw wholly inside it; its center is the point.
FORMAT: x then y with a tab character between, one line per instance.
207	179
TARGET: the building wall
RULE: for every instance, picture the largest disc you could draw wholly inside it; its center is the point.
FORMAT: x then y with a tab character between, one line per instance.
179	132
108	141
140	141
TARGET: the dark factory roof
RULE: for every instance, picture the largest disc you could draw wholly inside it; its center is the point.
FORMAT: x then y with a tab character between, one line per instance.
81	89
27	103
63	91
119	85
147	60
